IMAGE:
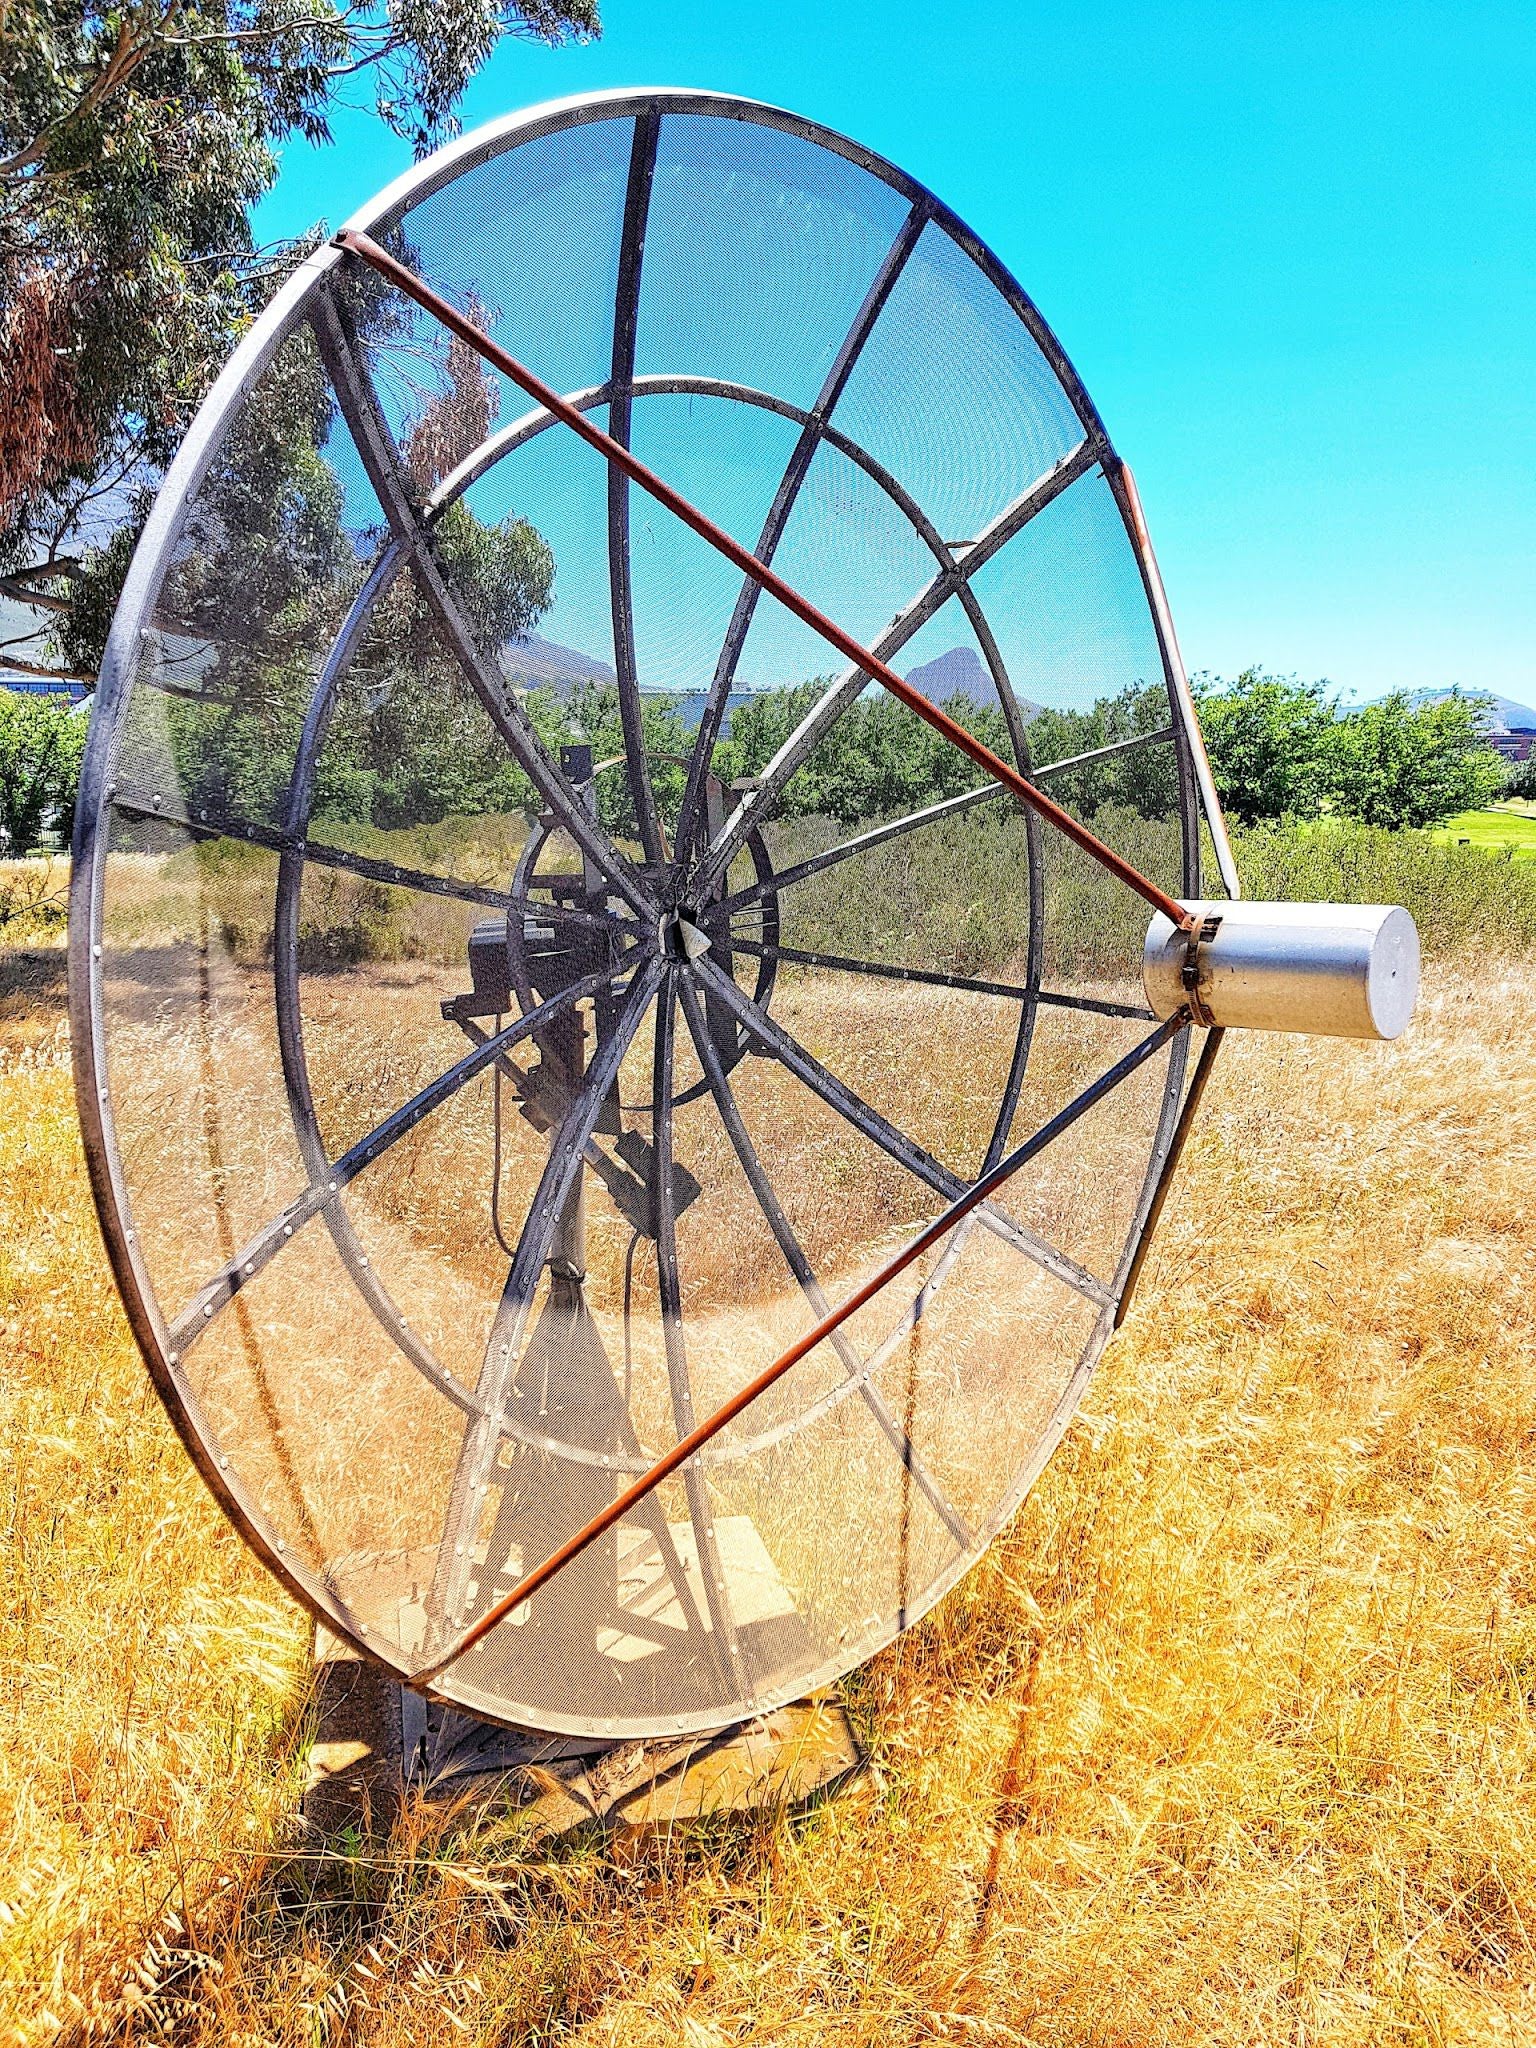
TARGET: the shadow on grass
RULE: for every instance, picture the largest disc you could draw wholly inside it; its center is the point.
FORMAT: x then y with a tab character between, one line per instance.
34	996
33	978
375	1927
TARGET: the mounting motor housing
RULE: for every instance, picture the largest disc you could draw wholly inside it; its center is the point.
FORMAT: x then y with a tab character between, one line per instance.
1342	970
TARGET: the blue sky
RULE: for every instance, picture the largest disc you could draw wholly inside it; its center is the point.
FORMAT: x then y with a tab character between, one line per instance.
1292	252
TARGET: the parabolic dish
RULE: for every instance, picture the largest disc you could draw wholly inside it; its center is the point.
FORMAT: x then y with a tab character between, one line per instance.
510	1002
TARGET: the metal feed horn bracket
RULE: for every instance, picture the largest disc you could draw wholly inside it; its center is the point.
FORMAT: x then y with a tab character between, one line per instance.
1337	970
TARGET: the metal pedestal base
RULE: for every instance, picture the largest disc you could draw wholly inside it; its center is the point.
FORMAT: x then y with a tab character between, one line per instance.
377	1744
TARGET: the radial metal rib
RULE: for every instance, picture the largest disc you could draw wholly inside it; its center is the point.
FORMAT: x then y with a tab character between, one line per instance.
840	694
335	1175
931	977
880	288
567	1147
804	1275
366	866
626	310
931	814
669	1290
380	458
881	1132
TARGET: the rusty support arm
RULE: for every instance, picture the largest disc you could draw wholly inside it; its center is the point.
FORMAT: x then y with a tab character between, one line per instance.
696	1438
404	279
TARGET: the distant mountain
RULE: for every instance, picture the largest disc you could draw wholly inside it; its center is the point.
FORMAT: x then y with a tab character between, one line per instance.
533	660
960	673
1508	716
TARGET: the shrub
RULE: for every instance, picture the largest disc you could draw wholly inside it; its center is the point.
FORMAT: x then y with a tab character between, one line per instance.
1459	896
1397	764
41	744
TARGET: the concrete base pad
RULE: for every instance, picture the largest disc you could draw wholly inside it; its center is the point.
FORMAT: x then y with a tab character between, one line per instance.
377	1743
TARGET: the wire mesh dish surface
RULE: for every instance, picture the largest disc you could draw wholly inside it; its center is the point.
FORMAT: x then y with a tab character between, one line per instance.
510	1006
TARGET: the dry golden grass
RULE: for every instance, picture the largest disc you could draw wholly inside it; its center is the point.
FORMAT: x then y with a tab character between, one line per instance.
1229	1740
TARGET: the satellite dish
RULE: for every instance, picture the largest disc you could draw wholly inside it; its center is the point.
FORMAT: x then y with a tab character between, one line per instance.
621	1215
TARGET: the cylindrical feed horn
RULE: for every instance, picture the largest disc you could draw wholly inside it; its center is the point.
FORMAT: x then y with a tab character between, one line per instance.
1343	970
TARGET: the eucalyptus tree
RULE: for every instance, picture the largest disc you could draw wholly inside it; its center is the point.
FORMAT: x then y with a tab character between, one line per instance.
134	141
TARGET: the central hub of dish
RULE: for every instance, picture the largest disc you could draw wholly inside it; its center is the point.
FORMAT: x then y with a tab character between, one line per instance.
681	938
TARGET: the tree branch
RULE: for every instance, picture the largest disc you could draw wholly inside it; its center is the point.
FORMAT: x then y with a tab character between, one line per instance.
125	59
54	675
335	22
43	600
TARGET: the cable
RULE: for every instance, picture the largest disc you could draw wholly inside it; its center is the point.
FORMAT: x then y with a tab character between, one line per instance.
496	1152
629	1288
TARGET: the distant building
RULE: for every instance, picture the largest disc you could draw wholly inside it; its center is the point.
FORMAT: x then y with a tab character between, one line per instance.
45	686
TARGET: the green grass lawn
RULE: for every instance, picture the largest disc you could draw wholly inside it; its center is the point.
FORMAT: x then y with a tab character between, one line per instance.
1511	824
